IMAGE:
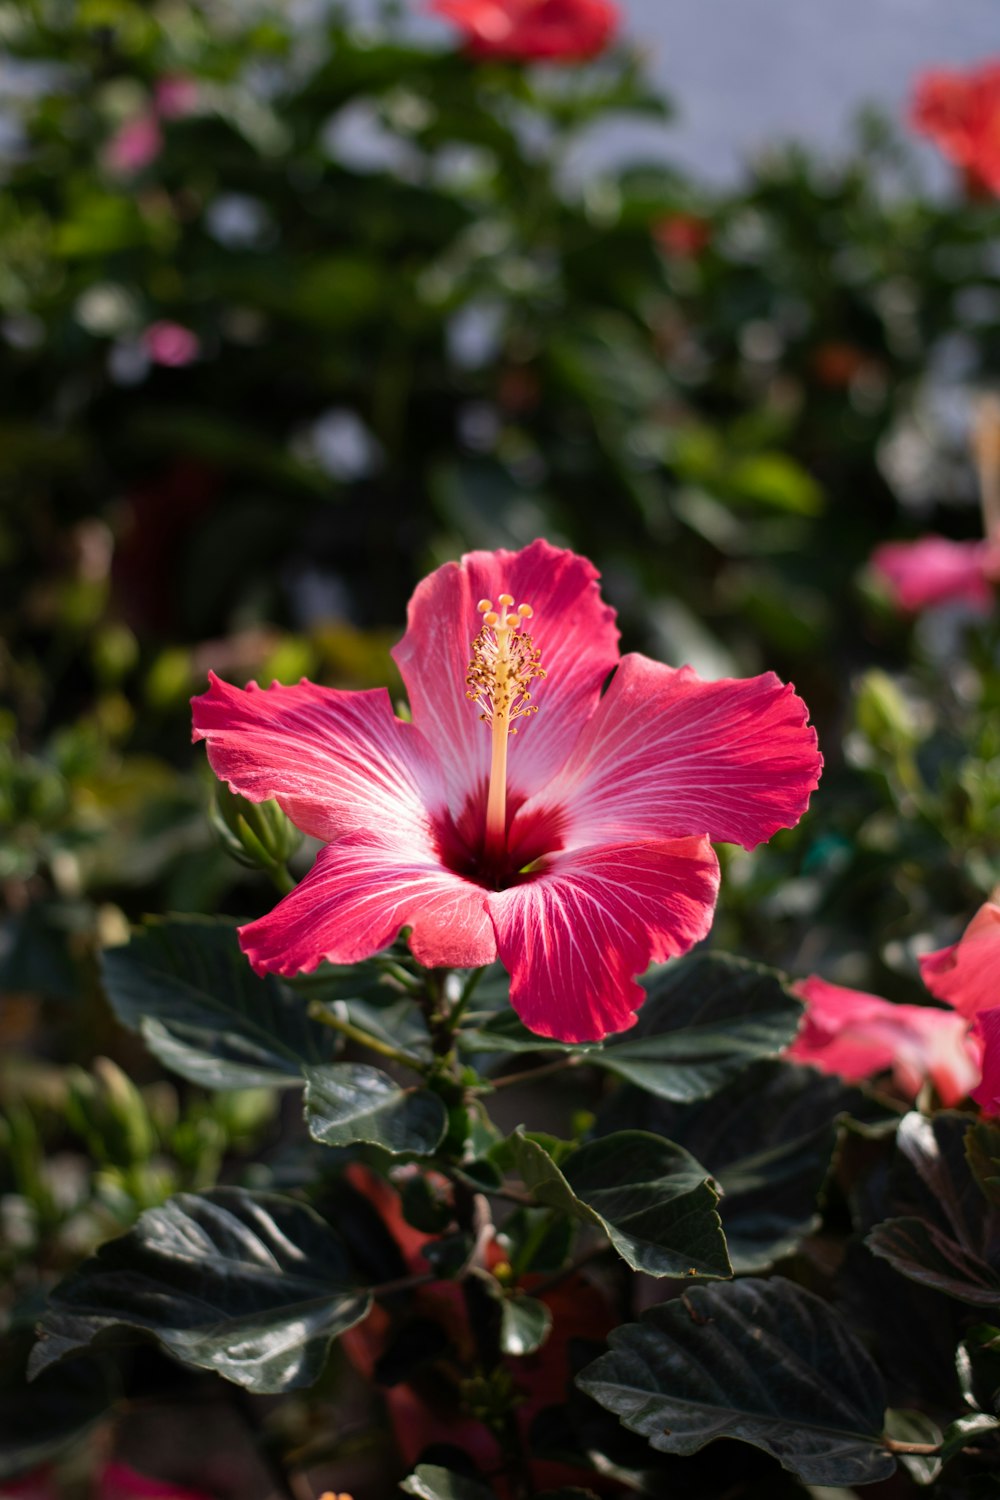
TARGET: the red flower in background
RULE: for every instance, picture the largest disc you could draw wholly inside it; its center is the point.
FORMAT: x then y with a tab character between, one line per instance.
960	111
533	30
856	1035
682	236
934	570
577	851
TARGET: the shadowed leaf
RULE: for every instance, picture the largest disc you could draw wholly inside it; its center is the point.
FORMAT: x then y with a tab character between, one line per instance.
765	1362
253	1286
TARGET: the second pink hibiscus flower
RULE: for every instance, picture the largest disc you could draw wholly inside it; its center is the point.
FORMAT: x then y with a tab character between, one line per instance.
569	833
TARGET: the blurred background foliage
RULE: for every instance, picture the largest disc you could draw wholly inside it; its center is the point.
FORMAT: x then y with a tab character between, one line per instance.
294	310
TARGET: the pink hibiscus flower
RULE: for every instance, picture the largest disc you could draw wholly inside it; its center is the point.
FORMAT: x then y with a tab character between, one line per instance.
133	146
966	975
987	1094
170	344
857	1035
176	96
569	833
935	570
541	30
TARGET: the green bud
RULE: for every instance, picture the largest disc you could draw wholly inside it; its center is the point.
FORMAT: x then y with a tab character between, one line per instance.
256	834
883	713
107	1110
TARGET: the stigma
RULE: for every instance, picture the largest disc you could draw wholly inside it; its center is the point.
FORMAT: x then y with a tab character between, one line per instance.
504	664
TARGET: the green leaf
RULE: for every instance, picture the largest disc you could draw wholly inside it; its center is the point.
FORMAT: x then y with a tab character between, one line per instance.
964	1432
767	1138
525	1324
187	987
916	1427
706	1018
253	1286
924	1253
978	1363
39	1422
347	1102
982	1150
943	1234
762	1361
651	1198
430	1482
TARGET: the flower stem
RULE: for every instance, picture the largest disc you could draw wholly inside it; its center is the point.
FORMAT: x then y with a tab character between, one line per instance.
319	1012
458	1009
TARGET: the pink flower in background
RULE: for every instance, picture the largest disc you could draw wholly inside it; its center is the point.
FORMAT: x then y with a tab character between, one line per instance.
960	112
133	146
966	975
683	236
987	1094
569	833
934	570
170	344
856	1035
175	96
533	30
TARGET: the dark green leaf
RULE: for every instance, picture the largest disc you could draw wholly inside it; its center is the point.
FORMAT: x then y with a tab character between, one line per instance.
767	1138
765	1362
916	1427
429	1482
982	1149
651	1198
978	1362
347	1102
524	1324
253	1286
925	1253
943	1234
40	1421
705	1019
187	987
965	1431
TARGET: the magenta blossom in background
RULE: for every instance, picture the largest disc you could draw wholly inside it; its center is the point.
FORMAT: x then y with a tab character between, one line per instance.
966	975
522	813
533	30
856	1035
935	570
170	344
133	146
175	96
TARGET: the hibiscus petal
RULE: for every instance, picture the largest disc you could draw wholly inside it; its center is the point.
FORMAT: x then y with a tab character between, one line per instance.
353	903
572	628
966	975
334	761
935	570
987	1095
857	1035
670	756
574	936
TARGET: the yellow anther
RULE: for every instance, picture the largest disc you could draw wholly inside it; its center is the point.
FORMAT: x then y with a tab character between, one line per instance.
491	618
484	606
506	599
525	611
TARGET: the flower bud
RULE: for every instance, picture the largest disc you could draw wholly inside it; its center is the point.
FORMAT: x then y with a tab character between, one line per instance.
106	1108
256	834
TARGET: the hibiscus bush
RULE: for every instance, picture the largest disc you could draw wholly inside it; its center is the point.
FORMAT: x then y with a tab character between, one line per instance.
526	1045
